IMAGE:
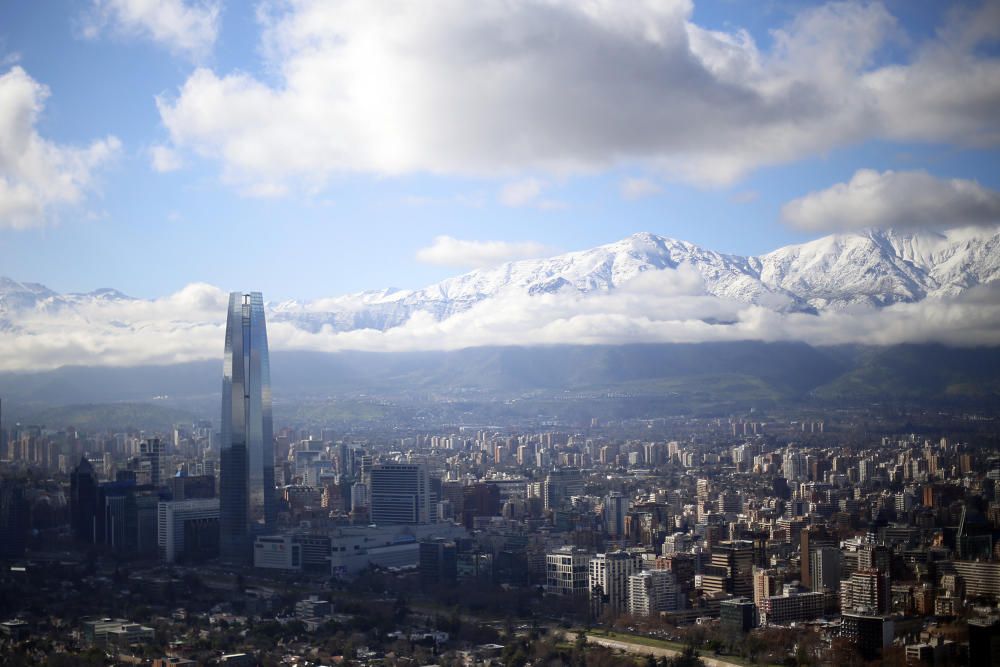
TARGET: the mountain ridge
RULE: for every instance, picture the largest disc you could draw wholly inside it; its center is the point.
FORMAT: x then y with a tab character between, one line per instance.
873	268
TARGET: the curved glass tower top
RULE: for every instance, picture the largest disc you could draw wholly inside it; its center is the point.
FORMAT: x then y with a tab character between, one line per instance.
246	475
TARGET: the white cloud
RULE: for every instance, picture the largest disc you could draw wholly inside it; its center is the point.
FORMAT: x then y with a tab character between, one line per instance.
188	28
164	159
895	199
656	307
666	306
38	176
637	188
521	193
449	251
559	86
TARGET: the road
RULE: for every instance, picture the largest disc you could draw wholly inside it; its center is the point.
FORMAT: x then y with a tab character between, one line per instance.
636	648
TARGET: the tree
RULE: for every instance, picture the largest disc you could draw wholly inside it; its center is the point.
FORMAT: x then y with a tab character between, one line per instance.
687	658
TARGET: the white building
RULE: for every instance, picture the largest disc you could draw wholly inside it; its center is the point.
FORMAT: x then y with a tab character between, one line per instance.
609	574
278	552
652	591
172	518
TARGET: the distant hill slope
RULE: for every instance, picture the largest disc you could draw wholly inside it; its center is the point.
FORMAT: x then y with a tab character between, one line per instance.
110	416
918	372
691	373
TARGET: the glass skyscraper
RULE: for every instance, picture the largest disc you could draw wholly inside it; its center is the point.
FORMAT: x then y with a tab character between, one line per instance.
246	475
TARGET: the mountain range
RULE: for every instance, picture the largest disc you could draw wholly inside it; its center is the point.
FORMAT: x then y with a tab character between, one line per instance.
106	347
874	268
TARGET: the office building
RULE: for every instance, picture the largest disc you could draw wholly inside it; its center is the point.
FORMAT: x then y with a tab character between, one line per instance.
14	512
247	503
615	508
151	461
115	633
188	487
984	640
400	494
83	501
869	632
438	562
737	616
188	530
567	571
731	569
277	552
792	607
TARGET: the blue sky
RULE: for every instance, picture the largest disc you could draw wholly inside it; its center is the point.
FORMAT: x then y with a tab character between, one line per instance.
341	215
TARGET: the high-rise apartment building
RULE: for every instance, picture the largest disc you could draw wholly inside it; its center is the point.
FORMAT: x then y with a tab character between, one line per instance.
247	503
400	493
651	591
868	588
608	579
812	539
824	568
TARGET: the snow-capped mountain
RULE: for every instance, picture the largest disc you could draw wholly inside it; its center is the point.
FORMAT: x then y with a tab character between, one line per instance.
873	268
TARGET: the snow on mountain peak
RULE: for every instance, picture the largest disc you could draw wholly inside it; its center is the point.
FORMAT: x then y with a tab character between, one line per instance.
873	268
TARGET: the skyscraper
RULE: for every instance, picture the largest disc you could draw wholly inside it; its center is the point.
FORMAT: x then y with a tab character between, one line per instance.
246	479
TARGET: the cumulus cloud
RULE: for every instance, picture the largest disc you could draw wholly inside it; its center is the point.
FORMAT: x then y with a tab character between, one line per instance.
37	176
493	88
637	188
895	199
187	28
449	251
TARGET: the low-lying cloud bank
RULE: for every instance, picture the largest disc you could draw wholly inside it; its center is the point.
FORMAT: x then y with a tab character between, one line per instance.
656	307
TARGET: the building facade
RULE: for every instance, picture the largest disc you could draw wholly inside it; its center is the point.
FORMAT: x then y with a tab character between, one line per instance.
185	529
246	483
400	494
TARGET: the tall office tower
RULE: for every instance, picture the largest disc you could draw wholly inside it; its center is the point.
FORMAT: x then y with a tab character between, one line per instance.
247	502
615	508
83	501
151	452
731	569
400	493
14	510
